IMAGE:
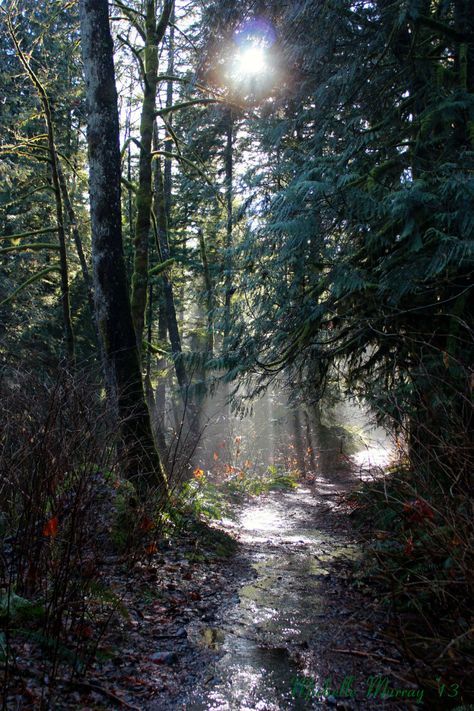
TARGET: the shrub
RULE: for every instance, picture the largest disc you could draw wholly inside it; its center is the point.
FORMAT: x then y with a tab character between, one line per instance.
56	457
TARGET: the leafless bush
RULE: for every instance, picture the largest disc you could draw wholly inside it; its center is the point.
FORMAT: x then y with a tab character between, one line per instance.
57	468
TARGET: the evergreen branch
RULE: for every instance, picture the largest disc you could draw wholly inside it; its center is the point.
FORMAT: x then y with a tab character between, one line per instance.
34	145
125	146
173	136
187	104
443	29
17	151
135	53
155	349
160	268
204	102
20	235
129	185
126	8
197	85
25	62
188	39
29	281
20	199
34	247
186	161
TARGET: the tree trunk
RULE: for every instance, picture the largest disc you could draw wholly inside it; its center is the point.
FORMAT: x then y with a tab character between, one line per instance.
191	411
153	36
71	213
112	305
160	394
164	251
163	198
209	295
229	177
168	144
130	201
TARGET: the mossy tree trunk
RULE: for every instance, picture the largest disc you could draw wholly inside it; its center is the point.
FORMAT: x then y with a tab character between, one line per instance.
153	34
112	304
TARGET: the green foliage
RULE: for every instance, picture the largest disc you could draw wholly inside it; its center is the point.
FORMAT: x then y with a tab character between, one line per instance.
125	514
31	280
17	610
32	322
203	498
363	229
351	259
254	484
209	500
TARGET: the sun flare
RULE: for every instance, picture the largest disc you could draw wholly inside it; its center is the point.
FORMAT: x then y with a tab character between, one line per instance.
251	62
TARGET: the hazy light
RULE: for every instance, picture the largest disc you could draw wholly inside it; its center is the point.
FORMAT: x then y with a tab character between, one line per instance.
250	62
249	69
256	31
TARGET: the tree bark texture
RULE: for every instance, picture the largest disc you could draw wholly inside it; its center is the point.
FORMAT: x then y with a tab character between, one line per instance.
153	36
112	305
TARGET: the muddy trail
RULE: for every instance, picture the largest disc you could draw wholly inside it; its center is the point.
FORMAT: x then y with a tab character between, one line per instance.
287	619
300	632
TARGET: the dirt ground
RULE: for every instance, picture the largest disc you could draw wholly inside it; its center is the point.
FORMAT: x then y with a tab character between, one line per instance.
192	616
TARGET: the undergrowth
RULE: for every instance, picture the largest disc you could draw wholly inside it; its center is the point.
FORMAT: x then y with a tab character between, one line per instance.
61	507
208	499
420	557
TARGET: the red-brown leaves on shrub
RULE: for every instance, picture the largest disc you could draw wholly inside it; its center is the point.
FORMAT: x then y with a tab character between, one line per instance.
408	550
51	527
417	511
146	524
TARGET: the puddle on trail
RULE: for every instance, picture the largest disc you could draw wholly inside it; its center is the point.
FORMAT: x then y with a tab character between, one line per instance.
278	608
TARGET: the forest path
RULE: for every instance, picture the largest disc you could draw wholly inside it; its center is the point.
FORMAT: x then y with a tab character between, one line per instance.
280	637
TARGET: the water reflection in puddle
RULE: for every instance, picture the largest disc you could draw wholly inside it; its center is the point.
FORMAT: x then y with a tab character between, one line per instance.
280	607
256	678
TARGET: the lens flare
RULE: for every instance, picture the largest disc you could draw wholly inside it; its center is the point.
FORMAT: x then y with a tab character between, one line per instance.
250	62
256	31
250	68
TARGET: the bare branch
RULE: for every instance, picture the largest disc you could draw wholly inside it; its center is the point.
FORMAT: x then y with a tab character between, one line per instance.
133	17
135	52
164	20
